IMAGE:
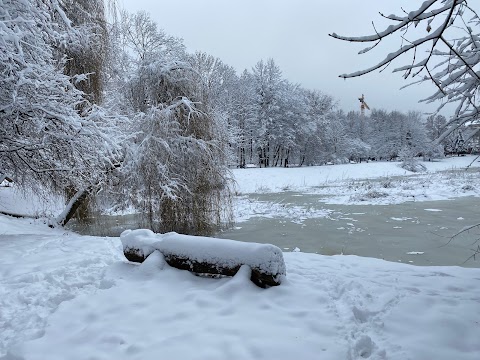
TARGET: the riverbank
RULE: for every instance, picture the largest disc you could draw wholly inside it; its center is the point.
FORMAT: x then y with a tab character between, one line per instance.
274	180
66	296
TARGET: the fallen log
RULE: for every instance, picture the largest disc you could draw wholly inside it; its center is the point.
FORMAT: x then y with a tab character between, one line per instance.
204	255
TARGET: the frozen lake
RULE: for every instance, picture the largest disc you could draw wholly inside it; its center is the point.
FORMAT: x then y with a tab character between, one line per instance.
412	232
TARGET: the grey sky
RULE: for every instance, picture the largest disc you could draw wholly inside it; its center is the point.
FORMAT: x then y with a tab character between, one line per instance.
295	34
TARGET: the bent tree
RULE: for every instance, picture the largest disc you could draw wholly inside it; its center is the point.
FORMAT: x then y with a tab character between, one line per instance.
440	41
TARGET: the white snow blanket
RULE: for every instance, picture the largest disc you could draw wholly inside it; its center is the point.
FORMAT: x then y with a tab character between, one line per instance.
272	180
66	296
222	253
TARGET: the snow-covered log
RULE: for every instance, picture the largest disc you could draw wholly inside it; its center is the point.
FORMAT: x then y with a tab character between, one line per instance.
207	255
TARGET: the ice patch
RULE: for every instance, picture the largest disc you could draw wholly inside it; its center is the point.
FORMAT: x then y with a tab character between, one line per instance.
247	208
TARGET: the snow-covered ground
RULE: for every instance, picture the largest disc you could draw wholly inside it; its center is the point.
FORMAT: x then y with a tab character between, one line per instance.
66	296
261	180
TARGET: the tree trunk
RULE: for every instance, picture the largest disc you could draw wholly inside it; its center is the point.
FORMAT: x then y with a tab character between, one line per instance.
18	216
72	206
241	165
276	156
287	154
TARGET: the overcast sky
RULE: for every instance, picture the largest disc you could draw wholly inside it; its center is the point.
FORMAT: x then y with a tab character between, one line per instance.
295	34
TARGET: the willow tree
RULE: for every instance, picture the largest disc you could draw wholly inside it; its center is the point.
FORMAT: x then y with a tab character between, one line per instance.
86	54
175	169
84	62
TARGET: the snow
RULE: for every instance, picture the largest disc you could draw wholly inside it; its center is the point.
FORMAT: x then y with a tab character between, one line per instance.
40	268
31	203
67	296
269	180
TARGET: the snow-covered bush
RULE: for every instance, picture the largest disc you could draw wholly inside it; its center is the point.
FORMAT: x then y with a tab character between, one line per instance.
412	165
409	162
434	152
387	183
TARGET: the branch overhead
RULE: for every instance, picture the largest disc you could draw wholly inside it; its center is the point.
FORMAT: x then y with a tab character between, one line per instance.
446	33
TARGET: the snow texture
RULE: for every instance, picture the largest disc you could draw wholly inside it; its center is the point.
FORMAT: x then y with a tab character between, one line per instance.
13	200
269	180
65	296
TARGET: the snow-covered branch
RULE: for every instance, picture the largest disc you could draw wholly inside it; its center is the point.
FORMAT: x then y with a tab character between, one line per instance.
452	61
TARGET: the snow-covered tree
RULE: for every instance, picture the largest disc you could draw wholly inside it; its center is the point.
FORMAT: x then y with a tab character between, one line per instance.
335	137
444	49
175	164
357	125
51	136
216	87
435	126
268	84
87	54
310	132
243	127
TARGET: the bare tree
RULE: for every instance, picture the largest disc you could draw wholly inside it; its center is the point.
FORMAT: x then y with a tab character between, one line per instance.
444	49
144	39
